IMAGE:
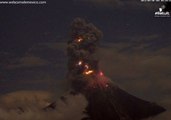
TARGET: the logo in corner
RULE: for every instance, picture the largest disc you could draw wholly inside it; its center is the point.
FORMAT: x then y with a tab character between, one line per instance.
162	13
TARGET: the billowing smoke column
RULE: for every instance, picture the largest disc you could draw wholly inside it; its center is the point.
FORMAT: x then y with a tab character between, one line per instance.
83	69
106	101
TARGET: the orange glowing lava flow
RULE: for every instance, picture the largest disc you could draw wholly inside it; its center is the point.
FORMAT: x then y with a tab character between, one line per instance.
86	66
88	72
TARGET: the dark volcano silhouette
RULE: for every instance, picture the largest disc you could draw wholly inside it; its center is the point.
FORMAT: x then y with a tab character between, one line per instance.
114	103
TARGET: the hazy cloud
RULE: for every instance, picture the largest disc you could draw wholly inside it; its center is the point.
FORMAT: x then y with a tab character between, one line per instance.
28	106
27	61
25	99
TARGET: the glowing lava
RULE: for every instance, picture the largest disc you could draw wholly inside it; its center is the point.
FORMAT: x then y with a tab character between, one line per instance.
80	63
88	72
86	66
101	73
79	39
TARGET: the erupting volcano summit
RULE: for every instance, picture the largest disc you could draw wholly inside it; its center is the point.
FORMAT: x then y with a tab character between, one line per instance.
106	100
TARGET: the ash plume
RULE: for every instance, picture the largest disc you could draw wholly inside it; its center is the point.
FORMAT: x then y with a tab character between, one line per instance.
106	101
82	57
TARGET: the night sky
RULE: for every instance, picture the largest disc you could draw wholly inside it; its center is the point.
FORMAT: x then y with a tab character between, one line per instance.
135	49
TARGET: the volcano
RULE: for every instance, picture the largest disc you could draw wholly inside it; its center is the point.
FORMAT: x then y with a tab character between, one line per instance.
106	101
114	103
